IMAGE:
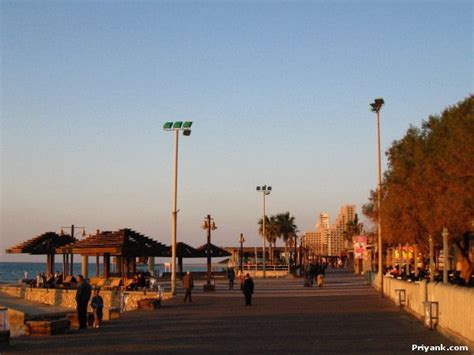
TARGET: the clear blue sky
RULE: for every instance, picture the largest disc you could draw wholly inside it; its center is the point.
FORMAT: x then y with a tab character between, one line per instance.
278	92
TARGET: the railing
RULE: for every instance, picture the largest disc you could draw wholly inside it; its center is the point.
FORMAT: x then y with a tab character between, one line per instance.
259	267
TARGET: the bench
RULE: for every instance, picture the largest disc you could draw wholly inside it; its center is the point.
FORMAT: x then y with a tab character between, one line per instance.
114	284
149	303
74	321
111	313
47	327
97	282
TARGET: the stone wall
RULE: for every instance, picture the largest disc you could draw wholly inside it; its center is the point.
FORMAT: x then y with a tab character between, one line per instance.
66	297
16	321
456	305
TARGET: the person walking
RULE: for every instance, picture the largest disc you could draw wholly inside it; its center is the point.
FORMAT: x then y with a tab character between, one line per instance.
231	277
97	304
248	290
83	295
188	285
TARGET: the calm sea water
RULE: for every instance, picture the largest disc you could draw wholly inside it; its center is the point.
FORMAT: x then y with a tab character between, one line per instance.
14	272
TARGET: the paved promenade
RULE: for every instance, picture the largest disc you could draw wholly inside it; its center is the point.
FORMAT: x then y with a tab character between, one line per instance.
345	316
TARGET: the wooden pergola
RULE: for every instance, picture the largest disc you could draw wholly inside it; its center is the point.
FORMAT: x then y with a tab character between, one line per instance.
216	252
47	244
184	250
124	245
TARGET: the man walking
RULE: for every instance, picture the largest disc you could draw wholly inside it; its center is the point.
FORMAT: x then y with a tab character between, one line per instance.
248	290
188	286
83	295
231	277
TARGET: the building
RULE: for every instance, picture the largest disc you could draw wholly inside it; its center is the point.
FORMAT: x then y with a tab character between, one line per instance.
327	239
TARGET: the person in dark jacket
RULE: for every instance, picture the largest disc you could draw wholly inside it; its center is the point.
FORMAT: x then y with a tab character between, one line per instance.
248	290
231	277
188	285
83	295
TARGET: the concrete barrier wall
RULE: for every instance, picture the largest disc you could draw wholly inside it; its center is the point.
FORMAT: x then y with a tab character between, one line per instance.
456	305
456	309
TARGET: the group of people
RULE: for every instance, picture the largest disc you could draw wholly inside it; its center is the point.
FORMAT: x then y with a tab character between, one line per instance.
139	282
54	280
316	272
83	296
246	285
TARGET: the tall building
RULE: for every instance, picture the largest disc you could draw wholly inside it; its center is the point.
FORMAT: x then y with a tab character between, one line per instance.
323	221
327	239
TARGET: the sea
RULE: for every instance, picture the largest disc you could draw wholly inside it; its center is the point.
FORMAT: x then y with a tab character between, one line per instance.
13	272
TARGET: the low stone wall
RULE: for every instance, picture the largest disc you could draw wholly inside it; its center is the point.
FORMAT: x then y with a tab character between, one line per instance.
16	320
456	305
66	297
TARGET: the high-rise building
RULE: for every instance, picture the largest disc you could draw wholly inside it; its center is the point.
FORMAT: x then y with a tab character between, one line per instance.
327	239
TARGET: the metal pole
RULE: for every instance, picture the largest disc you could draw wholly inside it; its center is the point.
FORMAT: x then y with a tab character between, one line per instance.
241	252
208	251
174	214
264	236
71	272
379	216
256	264
445	255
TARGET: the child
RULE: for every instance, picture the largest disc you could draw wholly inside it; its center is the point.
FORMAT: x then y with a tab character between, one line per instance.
97	304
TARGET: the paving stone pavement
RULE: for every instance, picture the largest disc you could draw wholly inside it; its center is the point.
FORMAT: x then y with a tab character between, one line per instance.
344	316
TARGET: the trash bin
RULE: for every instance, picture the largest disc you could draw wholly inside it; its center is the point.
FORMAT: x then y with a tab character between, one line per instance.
4	329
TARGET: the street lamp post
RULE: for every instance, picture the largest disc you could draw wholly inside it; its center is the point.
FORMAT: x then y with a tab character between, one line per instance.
295	254
266	190
376	106
241	241
209	225
175	127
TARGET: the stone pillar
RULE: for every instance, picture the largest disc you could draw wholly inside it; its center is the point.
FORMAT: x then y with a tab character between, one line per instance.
445	235
415	259
400	259
85	266
151	265
72	265
431	264
118	265
106	265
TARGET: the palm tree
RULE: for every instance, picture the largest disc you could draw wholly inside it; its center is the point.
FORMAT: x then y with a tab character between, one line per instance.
287	229
271	233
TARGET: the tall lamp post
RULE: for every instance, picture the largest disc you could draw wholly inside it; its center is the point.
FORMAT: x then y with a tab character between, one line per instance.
209	225
175	127
265	190
241	241
376	106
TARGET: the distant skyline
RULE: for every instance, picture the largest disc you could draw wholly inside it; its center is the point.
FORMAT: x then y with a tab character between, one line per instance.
279	94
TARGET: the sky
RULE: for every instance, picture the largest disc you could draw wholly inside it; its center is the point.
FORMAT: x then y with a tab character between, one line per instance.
278	92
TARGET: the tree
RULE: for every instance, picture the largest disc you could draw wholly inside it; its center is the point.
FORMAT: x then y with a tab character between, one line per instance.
287	229
271	232
429	182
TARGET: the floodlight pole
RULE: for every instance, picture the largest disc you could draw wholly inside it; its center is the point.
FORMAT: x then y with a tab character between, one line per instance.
186	128
265	191
174	223
264	237
376	106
